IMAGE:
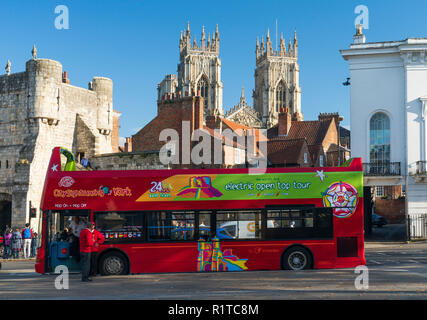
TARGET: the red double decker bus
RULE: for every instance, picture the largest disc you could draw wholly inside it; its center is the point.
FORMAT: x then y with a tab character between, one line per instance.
205	220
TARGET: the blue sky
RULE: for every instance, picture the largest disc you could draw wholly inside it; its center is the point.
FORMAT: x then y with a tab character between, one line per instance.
135	43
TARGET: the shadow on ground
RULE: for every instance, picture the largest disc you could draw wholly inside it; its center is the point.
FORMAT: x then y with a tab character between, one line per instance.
390	232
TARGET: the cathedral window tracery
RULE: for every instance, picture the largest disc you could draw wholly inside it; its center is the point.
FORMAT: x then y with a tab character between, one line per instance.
203	86
280	96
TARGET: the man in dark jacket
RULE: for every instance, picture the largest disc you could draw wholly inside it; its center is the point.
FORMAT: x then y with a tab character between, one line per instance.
86	247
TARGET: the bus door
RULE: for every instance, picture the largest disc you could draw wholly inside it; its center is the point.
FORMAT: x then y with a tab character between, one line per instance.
62	241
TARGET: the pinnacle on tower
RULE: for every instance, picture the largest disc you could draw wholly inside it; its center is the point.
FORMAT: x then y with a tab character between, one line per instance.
269	44
282	45
203	38
8	67
290	48
215	40
295	44
34	52
242	98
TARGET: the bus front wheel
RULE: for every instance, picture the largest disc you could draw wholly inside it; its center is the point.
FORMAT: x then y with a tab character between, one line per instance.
113	263
296	258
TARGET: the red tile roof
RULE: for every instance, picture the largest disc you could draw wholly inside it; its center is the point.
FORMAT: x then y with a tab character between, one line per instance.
313	131
285	151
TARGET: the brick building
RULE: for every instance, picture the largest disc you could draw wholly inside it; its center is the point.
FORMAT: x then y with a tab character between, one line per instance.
313	143
288	153
184	115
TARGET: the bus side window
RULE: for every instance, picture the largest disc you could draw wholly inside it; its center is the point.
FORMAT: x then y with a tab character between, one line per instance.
171	225
120	226
323	217
238	224
323	222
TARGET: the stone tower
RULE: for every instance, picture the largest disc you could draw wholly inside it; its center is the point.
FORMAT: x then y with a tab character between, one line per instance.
40	110
199	68
276	80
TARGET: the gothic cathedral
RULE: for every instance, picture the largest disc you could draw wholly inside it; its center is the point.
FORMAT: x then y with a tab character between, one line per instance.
276	79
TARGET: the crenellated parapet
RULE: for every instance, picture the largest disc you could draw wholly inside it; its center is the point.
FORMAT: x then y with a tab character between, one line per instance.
188	44
266	49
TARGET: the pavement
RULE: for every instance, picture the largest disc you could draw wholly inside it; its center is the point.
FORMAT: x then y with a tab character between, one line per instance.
396	270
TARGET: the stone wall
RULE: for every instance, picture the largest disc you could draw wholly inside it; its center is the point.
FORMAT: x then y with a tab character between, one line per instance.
39	111
128	161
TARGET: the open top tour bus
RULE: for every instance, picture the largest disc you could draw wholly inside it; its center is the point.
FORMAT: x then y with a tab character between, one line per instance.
206	219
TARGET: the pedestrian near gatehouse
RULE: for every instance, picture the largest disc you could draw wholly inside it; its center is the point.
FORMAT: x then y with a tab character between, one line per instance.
7	244
86	247
34	245
16	243
27	235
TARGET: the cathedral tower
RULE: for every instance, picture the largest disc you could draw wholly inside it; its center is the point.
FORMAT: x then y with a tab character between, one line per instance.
277	80
199	69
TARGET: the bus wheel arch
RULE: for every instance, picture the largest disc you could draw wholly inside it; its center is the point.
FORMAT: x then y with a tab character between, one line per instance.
297	251
113	257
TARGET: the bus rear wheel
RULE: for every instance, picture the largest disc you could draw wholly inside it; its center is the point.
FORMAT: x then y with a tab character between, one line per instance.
296	258
113	263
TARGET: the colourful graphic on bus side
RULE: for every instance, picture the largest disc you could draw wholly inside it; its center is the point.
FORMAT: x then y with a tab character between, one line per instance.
211	258
199	187
341	196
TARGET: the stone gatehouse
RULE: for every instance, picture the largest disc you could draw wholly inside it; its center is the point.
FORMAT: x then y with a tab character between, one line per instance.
40	109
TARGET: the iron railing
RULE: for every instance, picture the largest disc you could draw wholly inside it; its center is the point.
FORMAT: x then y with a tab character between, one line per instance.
417	227
381	169
421	167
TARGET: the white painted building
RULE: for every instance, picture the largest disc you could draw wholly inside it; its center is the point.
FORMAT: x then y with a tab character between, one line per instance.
389	114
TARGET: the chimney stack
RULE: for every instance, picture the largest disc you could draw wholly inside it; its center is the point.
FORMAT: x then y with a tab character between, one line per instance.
128	144
65	77
285	122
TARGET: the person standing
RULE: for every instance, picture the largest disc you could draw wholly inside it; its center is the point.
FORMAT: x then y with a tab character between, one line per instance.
7	244
16	243
27	235
34	245
98	239
76	226
86	247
